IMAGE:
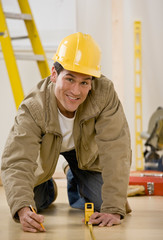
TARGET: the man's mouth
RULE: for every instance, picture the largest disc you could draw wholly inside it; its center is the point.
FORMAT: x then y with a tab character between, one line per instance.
72	98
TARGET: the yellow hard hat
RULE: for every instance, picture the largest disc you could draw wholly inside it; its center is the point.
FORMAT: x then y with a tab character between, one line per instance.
79	53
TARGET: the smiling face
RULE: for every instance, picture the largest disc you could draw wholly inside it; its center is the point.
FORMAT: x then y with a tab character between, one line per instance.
71	89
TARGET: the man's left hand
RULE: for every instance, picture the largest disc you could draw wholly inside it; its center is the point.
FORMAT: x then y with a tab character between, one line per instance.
104	219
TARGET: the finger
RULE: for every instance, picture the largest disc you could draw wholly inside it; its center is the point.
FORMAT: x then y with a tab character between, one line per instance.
96	221
30	222
114	221
29	229
95	215
108	220
94	218
104	222
37	217
104	219
33	223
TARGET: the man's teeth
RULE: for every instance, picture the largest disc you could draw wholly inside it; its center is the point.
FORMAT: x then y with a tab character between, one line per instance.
73	98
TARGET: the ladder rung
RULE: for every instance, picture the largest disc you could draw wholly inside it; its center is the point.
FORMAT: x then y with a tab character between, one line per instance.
19	38
36	57
22	16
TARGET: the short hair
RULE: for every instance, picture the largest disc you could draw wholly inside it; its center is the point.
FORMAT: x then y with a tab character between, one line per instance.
58	67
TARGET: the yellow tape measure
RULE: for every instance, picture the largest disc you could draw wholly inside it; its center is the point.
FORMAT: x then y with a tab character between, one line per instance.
89	210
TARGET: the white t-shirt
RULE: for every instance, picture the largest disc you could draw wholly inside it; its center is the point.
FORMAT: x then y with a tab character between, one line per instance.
66	125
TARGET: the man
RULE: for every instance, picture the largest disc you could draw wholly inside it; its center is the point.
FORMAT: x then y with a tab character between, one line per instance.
74	112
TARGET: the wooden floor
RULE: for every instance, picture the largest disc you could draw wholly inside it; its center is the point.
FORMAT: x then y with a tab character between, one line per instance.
63	222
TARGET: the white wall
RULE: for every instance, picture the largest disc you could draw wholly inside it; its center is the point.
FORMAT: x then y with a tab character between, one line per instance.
95	17
149	12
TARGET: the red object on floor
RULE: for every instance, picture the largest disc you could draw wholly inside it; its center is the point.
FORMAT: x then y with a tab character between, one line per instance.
151	180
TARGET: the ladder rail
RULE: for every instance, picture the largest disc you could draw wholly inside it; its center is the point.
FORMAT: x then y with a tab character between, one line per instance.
34	38
10	60
138	96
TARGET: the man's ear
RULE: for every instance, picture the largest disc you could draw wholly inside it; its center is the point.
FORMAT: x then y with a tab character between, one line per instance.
53	75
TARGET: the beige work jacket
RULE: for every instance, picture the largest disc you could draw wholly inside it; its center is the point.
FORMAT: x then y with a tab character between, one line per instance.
101	138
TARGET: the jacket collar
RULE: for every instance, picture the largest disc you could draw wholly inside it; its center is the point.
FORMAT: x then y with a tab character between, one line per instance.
52	120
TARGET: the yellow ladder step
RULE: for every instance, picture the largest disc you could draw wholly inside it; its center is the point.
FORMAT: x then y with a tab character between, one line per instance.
36	57
19	37
21	16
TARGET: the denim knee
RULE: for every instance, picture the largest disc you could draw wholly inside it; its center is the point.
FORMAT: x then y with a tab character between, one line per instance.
44	194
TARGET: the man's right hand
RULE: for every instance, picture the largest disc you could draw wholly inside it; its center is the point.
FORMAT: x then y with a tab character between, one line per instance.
30	221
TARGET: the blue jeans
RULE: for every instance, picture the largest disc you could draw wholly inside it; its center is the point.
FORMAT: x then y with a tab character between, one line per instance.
44	195
82	186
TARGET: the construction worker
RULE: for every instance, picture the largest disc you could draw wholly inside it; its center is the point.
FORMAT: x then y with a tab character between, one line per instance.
74	112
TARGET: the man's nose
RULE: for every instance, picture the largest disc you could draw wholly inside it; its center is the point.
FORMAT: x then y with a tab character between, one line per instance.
76	89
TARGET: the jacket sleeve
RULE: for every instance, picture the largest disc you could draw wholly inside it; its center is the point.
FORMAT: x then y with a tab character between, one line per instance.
19	161
113	139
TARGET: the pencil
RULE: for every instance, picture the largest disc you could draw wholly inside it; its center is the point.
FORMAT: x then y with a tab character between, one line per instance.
35	212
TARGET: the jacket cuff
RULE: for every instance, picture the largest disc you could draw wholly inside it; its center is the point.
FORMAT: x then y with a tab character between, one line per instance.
113	211
16	208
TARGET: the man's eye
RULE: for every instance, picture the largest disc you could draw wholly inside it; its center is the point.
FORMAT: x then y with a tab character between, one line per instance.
84	83
69	79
